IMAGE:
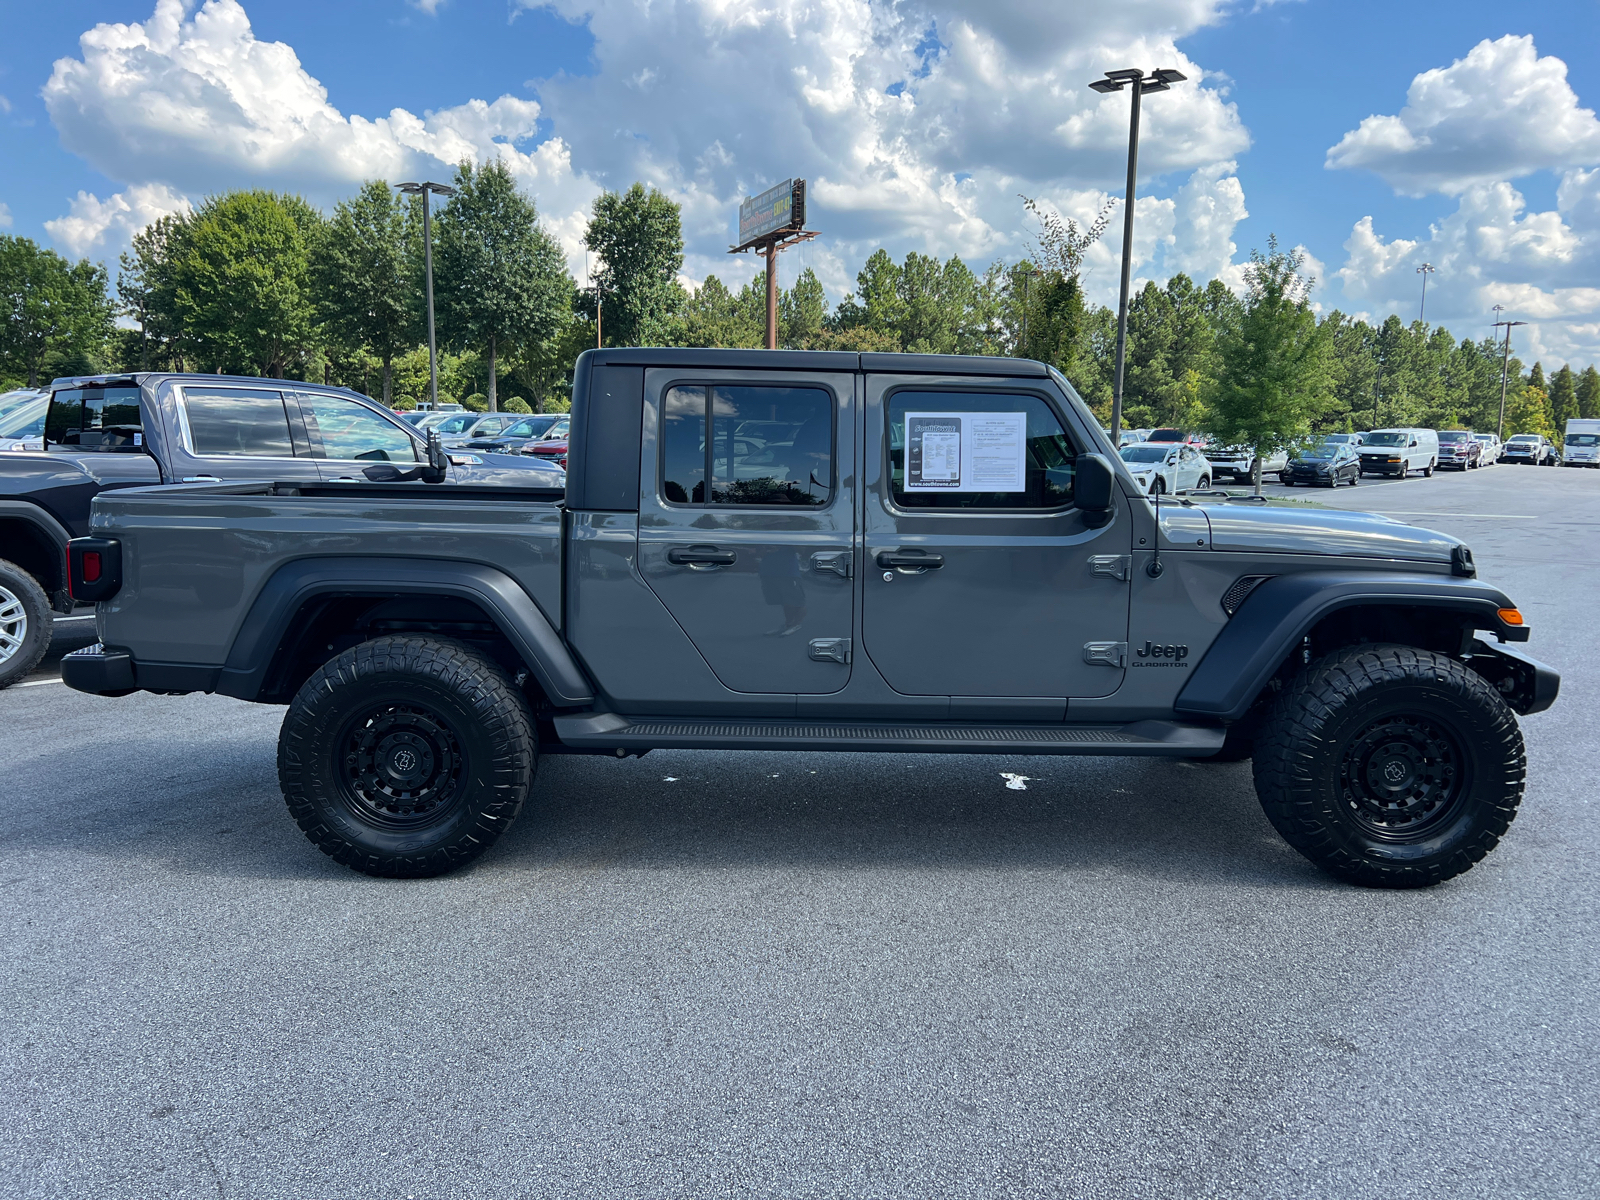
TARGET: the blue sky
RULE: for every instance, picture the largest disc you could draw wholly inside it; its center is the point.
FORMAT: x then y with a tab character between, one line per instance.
917	123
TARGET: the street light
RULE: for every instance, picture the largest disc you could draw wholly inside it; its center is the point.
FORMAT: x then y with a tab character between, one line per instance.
1505	364
423	190
1115	81
1424	270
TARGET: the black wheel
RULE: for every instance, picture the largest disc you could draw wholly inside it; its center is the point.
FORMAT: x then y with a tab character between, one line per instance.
1355	480
1158	486
1389	766
406	756
1205	482
25	623
1288	481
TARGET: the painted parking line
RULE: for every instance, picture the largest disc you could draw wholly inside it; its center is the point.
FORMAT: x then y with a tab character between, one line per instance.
35	682
1404	512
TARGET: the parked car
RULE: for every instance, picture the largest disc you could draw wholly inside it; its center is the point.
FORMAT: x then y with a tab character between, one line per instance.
1169	467
1239	462
1491	448
516	436
550	449
1529	449
432	649
107	432
1327	464
1169	435
1582	443
1459	448
1399	451
22	426
1350	439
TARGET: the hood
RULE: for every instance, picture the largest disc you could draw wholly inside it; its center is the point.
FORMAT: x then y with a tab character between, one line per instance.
511	470
1298	530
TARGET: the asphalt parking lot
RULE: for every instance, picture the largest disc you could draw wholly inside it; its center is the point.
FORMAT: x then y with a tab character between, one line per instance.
705	975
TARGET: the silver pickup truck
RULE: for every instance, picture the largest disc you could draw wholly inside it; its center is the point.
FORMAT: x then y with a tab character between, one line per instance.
821	551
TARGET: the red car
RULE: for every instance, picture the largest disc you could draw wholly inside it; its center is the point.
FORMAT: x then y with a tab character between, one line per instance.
551	449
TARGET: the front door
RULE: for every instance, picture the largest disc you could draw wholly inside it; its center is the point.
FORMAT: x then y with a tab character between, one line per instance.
746	522
981	577
348	437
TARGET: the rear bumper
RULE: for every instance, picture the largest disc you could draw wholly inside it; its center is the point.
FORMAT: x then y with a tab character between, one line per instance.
99	671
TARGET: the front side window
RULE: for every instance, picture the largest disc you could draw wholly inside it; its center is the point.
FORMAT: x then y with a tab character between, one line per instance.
767	446
352	431
237	421
953	450
95	419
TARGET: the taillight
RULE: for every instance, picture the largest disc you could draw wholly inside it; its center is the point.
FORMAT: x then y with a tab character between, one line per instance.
94	568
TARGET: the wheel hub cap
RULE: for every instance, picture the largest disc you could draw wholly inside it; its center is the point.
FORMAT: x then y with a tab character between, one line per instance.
13	624
402	764
1400	776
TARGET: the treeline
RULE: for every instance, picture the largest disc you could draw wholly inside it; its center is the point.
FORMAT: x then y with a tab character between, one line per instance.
259	283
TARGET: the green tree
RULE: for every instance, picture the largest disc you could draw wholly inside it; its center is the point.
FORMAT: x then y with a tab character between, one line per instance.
147	292
638	235
714	316
502	282
1563	398
240	276
802	312
1529	411
362	277
56	317
1588	393
1274	370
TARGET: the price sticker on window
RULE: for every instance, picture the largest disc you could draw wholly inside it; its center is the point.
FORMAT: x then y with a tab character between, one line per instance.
966	452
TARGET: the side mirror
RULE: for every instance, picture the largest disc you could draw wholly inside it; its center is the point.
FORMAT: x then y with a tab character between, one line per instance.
438	461
1093	488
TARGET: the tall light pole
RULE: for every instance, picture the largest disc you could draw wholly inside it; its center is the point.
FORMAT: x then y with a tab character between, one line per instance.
1115	81
1505	365
424	190
1027	273
1424	270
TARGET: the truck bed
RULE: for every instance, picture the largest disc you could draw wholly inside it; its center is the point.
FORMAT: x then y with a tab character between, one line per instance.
196	556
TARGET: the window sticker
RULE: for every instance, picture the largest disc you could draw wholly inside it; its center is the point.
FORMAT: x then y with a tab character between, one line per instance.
966	452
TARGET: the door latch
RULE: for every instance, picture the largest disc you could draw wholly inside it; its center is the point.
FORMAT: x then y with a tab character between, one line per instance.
831	650
1112	566
1106	654
837	561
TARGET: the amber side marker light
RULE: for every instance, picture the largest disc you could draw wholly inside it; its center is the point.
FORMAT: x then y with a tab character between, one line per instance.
1511	616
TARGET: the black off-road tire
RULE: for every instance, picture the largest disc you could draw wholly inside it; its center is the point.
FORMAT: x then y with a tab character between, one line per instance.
407	756
1390	766
25	623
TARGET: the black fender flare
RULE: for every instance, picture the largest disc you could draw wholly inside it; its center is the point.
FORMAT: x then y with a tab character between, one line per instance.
1281	611
45	525
507	603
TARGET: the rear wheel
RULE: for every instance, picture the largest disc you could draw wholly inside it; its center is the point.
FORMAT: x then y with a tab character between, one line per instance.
25	623
1427	471
1390	766
406	756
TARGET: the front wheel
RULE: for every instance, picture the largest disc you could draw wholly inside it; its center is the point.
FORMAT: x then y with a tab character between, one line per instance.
1205	482
1158	486
1390	766
25	623
406	756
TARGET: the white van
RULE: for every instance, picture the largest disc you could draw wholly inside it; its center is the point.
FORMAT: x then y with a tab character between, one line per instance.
1396	451
1582	444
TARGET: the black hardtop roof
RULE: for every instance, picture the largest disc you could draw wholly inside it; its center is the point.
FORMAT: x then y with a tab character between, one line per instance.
815	360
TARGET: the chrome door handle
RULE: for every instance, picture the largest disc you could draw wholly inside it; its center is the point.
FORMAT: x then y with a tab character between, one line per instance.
201	479
918	560
701	556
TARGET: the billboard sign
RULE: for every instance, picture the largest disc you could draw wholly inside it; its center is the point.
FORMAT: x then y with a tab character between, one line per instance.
775	210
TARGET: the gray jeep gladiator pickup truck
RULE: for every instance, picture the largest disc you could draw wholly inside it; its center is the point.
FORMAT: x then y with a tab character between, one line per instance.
821	551
115	431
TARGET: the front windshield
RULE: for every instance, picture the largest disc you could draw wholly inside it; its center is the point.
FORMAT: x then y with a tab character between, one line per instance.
1527	439
1145	454
1324	451
26	421
1388	439
1455	436
1483	437
1340	437
1165	435
1584	439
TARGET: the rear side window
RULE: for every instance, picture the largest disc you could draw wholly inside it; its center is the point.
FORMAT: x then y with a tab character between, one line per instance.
95	419
237	422
768	446
978	450
347	430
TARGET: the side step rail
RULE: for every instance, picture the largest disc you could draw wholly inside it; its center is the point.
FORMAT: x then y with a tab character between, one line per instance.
616	734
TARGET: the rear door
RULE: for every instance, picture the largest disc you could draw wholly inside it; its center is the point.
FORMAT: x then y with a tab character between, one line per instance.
227	432
747	521
981	577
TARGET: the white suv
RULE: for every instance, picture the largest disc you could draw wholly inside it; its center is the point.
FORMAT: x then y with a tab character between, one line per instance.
1167	467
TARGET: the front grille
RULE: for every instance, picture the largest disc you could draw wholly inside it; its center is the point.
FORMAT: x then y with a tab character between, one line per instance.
1242	587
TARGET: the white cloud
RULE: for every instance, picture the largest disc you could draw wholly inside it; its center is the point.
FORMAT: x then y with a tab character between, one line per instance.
94	223
199	104
1500	113
1542	266
5	217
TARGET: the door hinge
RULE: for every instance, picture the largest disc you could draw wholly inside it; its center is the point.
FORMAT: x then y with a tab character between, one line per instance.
837	561
831	650
1106	654
1113	566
